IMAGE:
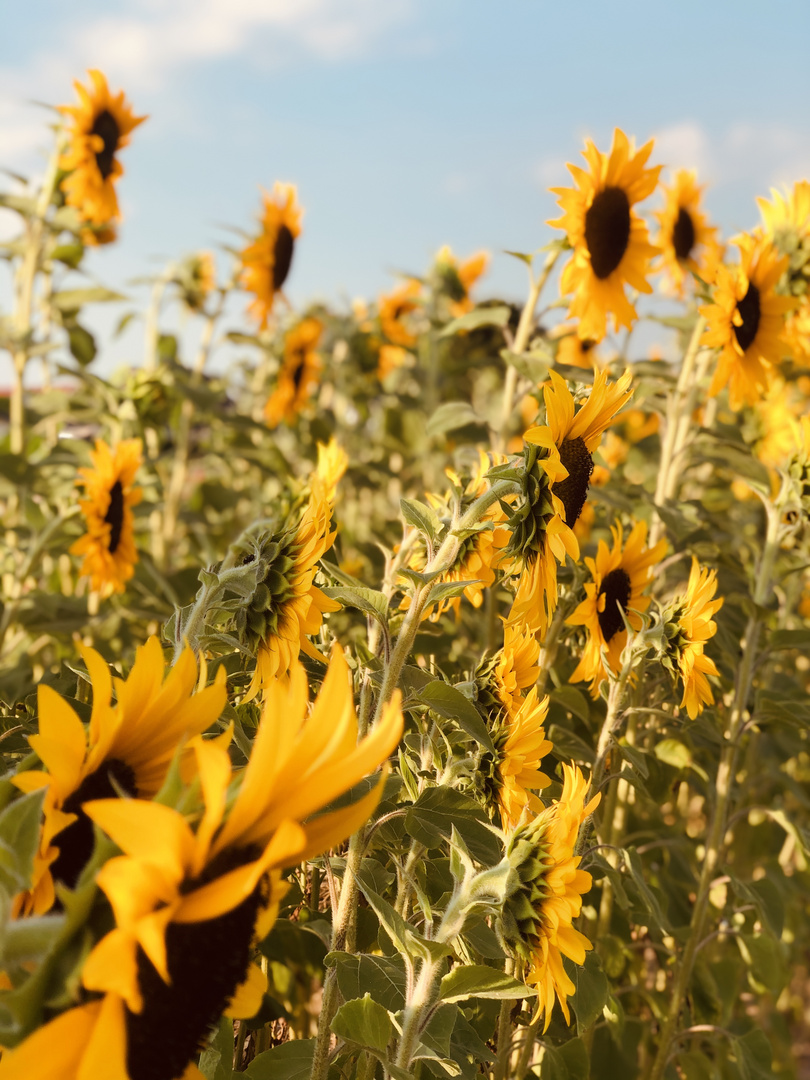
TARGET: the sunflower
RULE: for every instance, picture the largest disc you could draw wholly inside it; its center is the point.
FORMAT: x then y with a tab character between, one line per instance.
286	607
577	352
610	241
478	553
191	895
390	358
619	577
539	913
514	666
747	322
567	443
196	279
686	241
689	625
128	747
778	417
457	279
393	307
266	261
108	546
786	223
101	128
299	374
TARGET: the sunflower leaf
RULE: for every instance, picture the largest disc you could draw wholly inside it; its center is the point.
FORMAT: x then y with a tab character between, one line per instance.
365	1022
592	991
19	841
449	417
289	1061
450	703
481	316
73	299
421	516
370	601
481	981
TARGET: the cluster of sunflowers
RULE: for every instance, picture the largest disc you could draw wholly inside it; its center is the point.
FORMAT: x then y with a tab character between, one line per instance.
203	874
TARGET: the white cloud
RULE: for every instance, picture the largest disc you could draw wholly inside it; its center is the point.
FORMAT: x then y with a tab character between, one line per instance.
142	46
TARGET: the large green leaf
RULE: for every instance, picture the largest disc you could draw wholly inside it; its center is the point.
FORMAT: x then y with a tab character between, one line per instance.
365	1022
481	981
290	1061
450	703
381	976
19	840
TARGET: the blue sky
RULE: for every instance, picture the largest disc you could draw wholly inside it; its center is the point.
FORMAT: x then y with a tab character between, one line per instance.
406	123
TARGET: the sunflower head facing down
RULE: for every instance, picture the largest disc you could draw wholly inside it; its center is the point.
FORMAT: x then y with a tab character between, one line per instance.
299	374
267	260
286	606
619	576
100	129
687	242
746	322
193	892
108	546
689	623
196	279
610	241
128	747
547	895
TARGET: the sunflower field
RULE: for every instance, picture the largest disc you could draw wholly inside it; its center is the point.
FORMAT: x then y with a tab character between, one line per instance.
415	688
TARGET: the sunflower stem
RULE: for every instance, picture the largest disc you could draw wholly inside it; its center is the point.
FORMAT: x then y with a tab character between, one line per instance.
519	346
611	724
151	330
527	1047
501	1070
679	415
25	284
723	791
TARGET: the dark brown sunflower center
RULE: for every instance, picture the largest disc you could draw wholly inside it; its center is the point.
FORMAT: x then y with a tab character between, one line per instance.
749	310
282	256
607	230
75	843
115	516
683	235
573	491
107	127
587	344
298	370
616	591
207	961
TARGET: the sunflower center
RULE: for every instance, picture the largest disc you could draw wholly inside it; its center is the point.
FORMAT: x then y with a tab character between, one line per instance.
298	371
573	490
76	842
115	516
282	256
616	591
206	961
607	230
750	311
106	126
683	235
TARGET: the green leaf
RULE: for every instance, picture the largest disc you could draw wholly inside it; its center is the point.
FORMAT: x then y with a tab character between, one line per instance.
402	936
72	299
674	753
573	701
216	1061
569	746
421	516
370	601
482	316
764	959
290	1061
790	639
364	1022
29	940
19	841
753	1054
592	991
82	344
446	590
771	904
652	905
381	976
450	703
70	254
437	811
533	366
481	981
449	417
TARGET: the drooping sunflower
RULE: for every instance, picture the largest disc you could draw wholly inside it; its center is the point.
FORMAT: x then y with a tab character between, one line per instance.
286	607
620	575
747	322
128	746
577	352
108	546
686	241
564	454
299	374
514	667
539	913
689	625
610	241
101	127
196	279
520	741
191	895
457	278
267	260
786	223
